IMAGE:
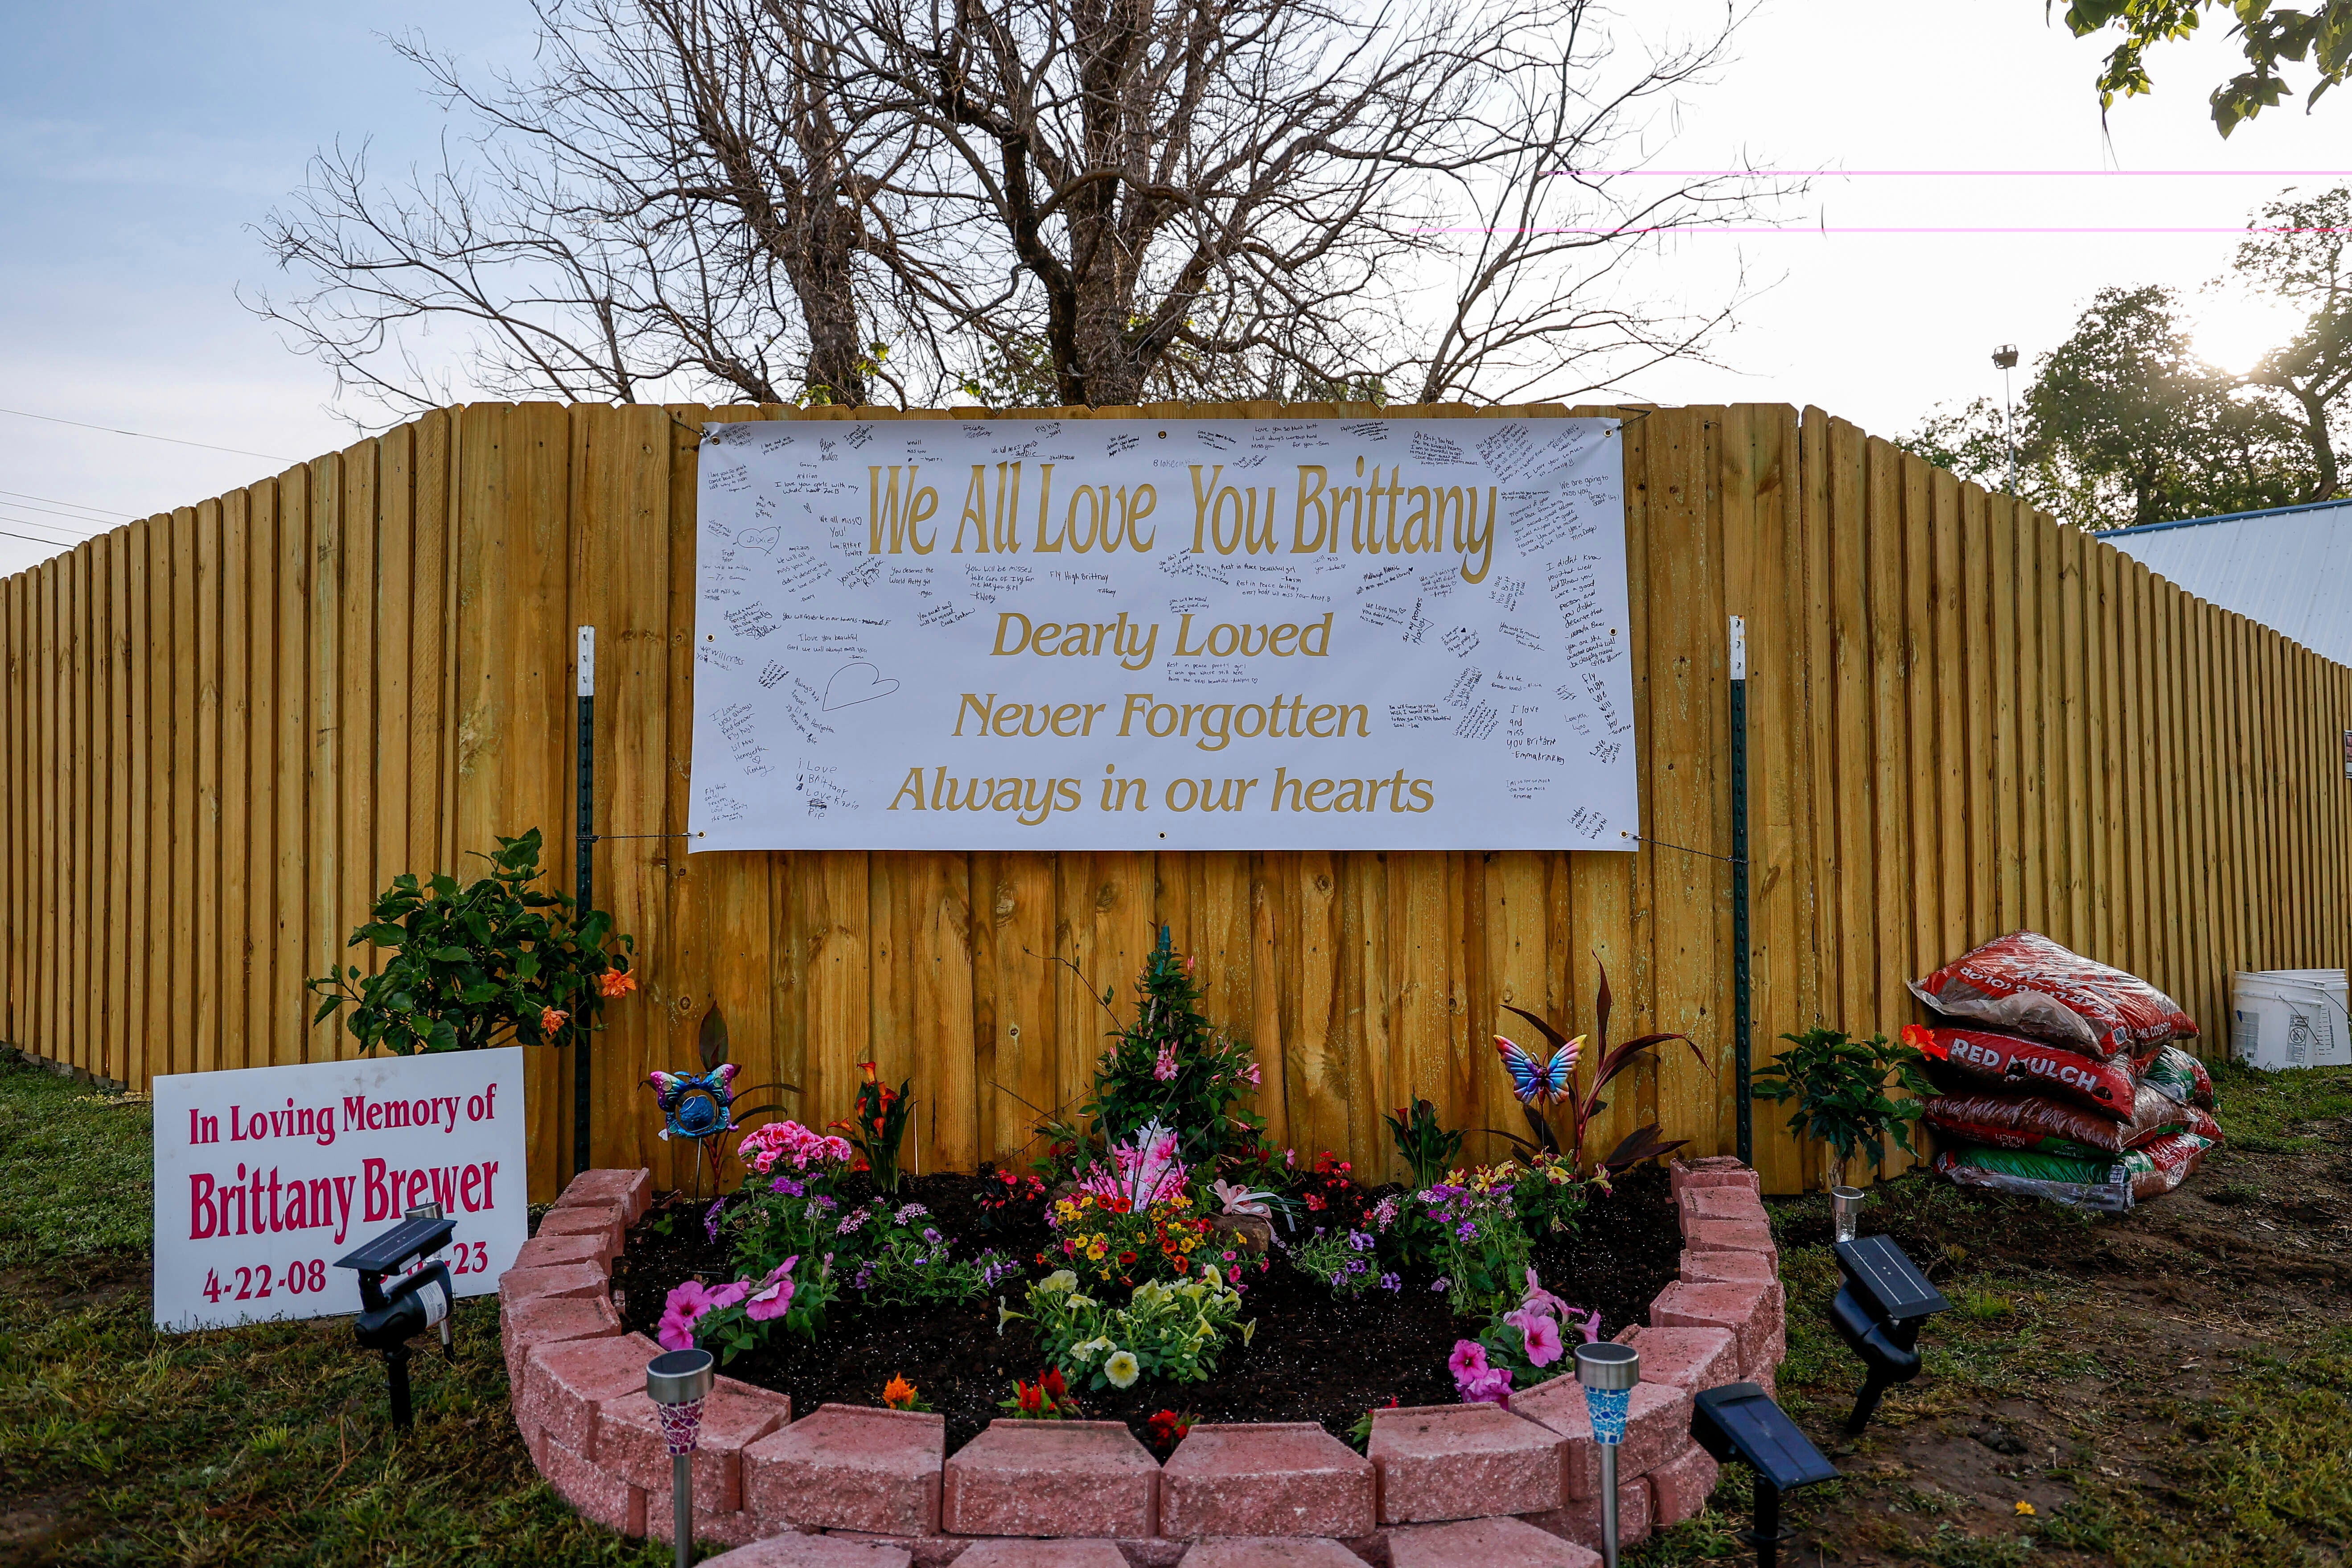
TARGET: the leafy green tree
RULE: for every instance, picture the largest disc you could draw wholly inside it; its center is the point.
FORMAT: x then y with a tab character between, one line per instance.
1841	1086
2122	424
2297	250
2268	36
499	960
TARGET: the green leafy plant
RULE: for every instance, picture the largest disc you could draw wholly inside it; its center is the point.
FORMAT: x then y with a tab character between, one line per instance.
1582	1105
880	1126
470	966
1171	1331
1423	1142
1172	1066
1840	1086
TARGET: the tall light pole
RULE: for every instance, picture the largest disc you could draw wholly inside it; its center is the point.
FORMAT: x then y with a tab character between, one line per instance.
2005	357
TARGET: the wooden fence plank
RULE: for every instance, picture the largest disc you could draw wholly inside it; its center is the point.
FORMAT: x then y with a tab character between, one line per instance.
289	1012
204	907
234	806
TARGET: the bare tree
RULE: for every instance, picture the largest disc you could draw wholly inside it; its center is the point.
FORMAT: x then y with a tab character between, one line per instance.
666	194
1068	201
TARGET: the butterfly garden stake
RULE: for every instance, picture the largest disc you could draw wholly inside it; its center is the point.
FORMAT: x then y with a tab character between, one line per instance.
701	1106
1538	1086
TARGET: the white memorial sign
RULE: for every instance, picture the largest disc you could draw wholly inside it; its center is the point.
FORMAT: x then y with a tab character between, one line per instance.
1130	634
264	1176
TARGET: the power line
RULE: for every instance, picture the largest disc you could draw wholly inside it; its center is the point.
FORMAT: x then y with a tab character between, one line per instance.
1967	174
33	522
142	436
98	525
78	506
60	545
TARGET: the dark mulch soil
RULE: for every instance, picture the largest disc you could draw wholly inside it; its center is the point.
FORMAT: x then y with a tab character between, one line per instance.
1312	1357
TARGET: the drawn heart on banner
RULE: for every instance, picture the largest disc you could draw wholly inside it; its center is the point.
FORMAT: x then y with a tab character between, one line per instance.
855	683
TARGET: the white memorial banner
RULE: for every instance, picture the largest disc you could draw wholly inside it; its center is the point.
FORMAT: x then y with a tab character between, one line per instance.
1129	634
264	1176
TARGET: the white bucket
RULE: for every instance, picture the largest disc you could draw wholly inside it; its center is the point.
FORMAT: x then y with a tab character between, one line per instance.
2283	1018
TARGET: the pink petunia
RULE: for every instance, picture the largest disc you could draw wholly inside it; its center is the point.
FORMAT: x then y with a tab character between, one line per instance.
1492	1386
679	1311
1541	1299
773	1298
1542	1337
1469	1357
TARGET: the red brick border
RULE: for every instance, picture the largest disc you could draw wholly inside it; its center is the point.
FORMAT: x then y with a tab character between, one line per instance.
848	1486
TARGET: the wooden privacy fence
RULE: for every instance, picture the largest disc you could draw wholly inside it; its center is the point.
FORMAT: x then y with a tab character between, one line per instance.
228	725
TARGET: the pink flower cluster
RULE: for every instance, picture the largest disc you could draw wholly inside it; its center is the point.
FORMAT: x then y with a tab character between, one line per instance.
1144	1172
1479	1384
692	1302
763	1146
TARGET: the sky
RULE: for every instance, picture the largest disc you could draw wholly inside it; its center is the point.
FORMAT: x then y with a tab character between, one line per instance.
139	142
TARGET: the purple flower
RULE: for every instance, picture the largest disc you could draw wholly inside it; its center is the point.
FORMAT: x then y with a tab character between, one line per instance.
1360	1241
1392	1282
1466	1231
912	1211
930	1235
786	1186
710	1218
850	1222
1441	1284
1469	1357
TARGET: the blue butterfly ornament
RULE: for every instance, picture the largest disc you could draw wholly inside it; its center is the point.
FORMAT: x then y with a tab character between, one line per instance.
696	1104
1539	1083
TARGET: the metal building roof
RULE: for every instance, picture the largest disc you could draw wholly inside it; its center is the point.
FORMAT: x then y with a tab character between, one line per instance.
2289	568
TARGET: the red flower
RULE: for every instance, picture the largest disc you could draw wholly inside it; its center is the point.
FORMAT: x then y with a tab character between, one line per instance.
1126	1259
1052	1382
1029	1395
868	1068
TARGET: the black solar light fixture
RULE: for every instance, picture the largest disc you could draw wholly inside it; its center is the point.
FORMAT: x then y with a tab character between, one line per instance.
677	1381
1738	1421
1878	1314
1609	1373
417	1298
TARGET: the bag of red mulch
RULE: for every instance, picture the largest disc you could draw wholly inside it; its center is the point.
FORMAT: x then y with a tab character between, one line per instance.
2178	1077
2168	1162
2034	1121
2103	1184
2104	1087
2024	983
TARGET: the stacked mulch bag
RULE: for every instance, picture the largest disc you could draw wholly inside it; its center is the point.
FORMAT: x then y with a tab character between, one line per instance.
2061	1079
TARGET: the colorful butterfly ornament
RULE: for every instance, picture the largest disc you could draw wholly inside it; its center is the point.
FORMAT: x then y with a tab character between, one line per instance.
1542	1083
696	1104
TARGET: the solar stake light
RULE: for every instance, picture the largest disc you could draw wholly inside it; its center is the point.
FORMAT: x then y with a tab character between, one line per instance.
677	1381
1845	1212
418	1298
449	1337
1878	1313
1609	1373
1740	1421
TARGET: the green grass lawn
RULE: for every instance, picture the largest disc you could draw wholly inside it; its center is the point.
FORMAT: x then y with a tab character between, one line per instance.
262	1445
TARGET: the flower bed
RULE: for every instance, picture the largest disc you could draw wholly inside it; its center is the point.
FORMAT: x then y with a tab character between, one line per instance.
1313	1356
1439	1482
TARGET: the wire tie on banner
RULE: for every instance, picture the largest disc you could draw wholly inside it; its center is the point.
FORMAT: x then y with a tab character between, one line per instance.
1727	859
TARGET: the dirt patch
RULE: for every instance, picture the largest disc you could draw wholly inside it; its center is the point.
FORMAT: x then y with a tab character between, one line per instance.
2079	1372
1311	1358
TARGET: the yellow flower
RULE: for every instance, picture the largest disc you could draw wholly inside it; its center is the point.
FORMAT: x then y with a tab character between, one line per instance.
1122	1369
1096	1250
2026	1509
